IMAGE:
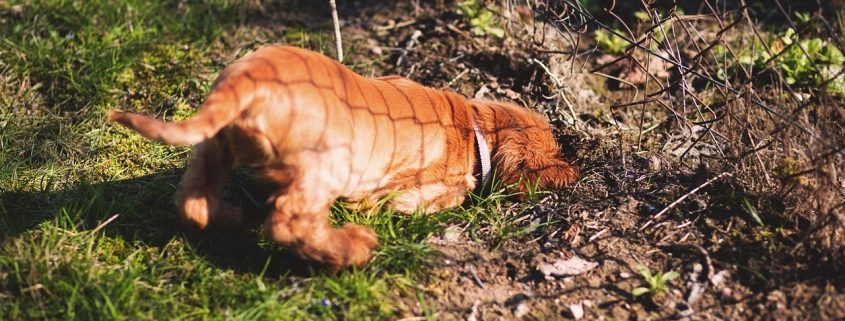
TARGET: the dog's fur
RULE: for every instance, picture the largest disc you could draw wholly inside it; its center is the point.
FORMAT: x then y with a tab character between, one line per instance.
320	132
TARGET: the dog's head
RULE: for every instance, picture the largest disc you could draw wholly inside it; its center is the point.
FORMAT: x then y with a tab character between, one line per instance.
525	152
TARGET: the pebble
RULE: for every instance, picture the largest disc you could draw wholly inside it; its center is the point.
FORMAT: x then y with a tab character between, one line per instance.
577	310
521	310
726	293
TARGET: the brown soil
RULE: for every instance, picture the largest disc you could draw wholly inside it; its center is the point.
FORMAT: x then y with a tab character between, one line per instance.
729	267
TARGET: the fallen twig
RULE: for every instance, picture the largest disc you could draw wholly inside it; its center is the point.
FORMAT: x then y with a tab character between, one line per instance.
410	45
103	224
461	74
394	25
597	235
458	31
336	23
475	276
681	199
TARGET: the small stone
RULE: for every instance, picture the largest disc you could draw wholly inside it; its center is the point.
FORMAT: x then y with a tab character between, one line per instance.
720	278
624	275
574	265
775	295
697	267
726	294
452	234
576	311
521	310
511	94
695	292
778	298
484	90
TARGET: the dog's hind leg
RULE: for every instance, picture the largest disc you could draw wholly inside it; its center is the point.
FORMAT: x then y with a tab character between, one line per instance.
199	195
300	221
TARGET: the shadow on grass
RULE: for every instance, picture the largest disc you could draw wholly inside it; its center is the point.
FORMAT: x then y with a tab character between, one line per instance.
147	216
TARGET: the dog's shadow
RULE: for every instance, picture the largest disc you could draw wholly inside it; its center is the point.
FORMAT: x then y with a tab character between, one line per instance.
146	216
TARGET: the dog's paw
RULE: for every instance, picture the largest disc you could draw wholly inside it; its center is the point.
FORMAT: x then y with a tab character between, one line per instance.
195	213
199	213
357	246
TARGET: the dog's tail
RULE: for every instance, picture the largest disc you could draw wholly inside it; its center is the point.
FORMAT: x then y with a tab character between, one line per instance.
220	109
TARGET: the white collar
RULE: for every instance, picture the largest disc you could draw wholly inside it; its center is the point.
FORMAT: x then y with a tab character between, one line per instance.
483	156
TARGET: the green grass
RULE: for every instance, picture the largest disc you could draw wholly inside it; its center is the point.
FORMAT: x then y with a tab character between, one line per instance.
657	282
87	225
115	251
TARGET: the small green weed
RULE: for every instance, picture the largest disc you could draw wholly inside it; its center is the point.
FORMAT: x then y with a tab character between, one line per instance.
482	20
304	38
610	42
803	17
656	282
806	63
751	210
813	67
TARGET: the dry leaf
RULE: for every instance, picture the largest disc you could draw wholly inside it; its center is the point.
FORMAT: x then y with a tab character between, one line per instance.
573	265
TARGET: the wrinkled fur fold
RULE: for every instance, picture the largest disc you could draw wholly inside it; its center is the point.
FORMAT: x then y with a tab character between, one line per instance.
320	132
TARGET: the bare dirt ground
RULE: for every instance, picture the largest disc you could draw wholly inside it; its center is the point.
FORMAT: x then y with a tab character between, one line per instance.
730	267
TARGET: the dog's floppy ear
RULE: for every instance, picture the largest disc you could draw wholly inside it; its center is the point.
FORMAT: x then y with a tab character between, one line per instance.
527	153
528	163
552	175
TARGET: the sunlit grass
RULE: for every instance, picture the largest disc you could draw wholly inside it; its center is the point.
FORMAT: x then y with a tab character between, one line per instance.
88	229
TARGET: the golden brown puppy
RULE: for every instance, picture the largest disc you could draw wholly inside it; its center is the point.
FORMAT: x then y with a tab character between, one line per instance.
320	132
